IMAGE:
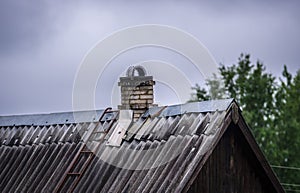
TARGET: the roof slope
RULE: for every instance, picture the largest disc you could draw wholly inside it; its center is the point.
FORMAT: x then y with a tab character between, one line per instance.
161	152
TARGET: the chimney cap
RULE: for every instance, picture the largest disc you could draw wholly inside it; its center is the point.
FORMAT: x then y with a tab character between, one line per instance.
139	69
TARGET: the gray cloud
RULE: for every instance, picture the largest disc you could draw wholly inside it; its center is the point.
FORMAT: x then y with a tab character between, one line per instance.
43	42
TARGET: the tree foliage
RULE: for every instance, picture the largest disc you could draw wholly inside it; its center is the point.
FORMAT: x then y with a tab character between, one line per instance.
288	124
216	90
270	106
254	89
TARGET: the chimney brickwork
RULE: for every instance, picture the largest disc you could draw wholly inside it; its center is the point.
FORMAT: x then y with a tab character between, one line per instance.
136	91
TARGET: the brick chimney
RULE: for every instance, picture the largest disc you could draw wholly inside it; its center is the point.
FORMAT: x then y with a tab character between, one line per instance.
136	91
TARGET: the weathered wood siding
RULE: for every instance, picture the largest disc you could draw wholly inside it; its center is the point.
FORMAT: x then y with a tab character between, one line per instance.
232	167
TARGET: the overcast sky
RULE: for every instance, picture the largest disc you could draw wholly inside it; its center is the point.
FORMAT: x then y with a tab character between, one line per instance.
42	43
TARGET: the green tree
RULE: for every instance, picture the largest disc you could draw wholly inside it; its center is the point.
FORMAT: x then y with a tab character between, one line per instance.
199	94
216	90
288	125
254	89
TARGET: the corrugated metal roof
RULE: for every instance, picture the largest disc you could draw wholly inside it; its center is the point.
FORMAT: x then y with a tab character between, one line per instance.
93	116
159	153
